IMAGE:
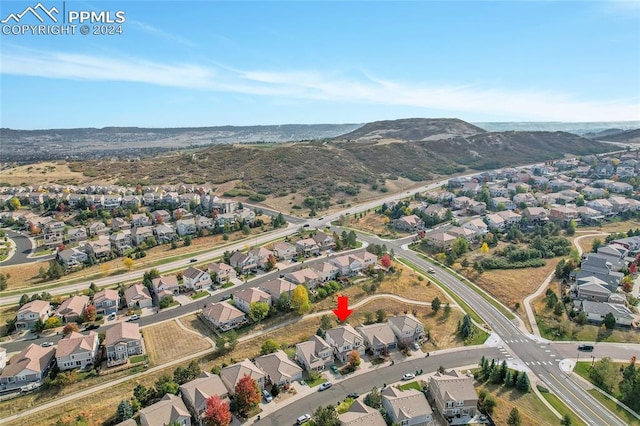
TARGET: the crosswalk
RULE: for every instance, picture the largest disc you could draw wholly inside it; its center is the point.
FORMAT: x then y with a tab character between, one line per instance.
516	341
540	362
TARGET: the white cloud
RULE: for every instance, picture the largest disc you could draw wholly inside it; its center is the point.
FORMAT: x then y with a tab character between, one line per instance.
315	85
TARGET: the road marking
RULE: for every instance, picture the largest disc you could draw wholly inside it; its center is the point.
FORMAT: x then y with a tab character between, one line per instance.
539	363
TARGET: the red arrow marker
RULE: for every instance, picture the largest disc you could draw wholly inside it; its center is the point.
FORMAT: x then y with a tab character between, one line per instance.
343	310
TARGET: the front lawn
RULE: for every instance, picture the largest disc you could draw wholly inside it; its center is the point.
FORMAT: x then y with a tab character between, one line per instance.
411	385
200	294
314	383
137	358
344	406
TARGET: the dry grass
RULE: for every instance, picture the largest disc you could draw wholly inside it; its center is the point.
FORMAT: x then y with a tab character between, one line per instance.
192	322
43	173
167	341
532	410
374	223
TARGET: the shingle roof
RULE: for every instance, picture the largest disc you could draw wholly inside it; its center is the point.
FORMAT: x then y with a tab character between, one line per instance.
33	357
122	331
77	343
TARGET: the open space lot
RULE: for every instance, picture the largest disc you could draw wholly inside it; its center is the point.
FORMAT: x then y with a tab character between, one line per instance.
168	341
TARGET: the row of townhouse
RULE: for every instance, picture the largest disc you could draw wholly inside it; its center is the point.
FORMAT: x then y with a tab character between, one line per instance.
76	350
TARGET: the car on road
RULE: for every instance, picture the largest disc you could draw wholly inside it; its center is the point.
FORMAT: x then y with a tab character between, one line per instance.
267	396
193	260
321	218
226	297
133	317
325	386
408	376
431	271
46	344
303	418
111	316
353	395
92	327
585	348
306	225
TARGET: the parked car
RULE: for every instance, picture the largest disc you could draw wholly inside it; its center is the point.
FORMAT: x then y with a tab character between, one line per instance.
408	376
92	327
111	316
133	317
267	396
416	347
585	348
334	368
226	297
303	418
353	395
46	344
325	386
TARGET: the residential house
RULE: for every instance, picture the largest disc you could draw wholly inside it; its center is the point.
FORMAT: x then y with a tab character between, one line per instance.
589	215
453	394
307	247
161	216
170	410
536	215
325	270
278	368
360	414
118	224
408	407
141	220
436	210
243	263
244	298
196	392
121	241
172	198
439	239
3	358
510	218
477	226
261	256
72	308
72	258
630	243
122	341
314	354
620	187
222	273
53	233
602	205
409	223
186	226
324	241
232	374
195	279
477	207
27	368
503	202
31	312
98	228
525	198
619	204
495	221
164	233
378	338
603	170
111	202
77	351
275	288
204	222
597	311
601	264
407	329
77	235
591	192
343	340
460	203
165	286
284	251
106	301
224	315
594	289
140	234
134	201
353	263
181	213
625	172
563	213
137	296
99	248
305	276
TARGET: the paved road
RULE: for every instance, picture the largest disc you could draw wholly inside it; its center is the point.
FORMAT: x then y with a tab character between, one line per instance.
617	351
363	383
24	247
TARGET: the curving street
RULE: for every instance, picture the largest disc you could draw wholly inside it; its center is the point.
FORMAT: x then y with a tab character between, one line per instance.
24	248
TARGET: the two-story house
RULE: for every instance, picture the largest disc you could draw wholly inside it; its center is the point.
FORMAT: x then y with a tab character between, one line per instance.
454	394
165	286
27	368
221	273
77	235
72	308
307	247
324	241
106	301
138	296
243	263
408	407
164	233
278	368
407	329
121	241
170	410
360	414
72	258
77	351
140	220
244	298
122	341
343	340
98	228
284	251
232	374
315	354
31	312
224	315
275	288
261	257
379	338
196	392
186	227
141	233
196	279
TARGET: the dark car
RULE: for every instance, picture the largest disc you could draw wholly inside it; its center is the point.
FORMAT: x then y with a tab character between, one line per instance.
193	260
353	395
585	348
92	327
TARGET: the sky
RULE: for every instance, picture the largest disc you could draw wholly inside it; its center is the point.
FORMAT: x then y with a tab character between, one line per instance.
210	63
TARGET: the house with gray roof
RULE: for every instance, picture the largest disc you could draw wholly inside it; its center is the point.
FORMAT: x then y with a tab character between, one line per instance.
407	328
196	392
27	368
408	407
232	374
122	341
453	394
594	289
106	301
314	354
344	339
360	414
379	338
597	311
224	315
170	410
278	368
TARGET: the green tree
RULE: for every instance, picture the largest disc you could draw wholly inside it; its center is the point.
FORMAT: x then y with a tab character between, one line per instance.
558	308
187	240
269	346
39	326
124	411
595	245
523	384
143	394
488	404
373	398
55	271
258	311
368	317
514	418
300	300
435	305
326	322
566	420
459	246
381	315
284	302
603	374
325	416
609	321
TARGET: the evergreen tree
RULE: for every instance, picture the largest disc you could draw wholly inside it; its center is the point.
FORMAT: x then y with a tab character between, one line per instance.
508	379
503	371
124	411
514	418
523	384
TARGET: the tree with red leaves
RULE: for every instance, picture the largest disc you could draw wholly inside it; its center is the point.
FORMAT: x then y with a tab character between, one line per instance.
633	268
217	412
71	327
89	313
247	395
385	260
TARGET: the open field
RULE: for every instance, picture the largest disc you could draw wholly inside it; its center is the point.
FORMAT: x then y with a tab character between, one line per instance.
168	341
43	173
532	410
373	223
26	276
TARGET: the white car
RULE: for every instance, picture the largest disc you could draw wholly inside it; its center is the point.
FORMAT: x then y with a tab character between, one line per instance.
408	376
303	418
46	344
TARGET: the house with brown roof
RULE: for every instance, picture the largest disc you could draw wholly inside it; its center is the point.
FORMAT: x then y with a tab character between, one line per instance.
379	338
77	351
314	354
106	301
222	273
407	328
408	223
119	223
354	263
170	410
122	341
307	247
243	262
224	315
165	286
278	368
277	287
164	233
305	276
99	248
261	257
27	368
3	358
284	251
343	340
232	374
196	392
196	279
439	239
326	271
244	298
121	241
30	312
408	407
72	308
98	228
453	394
141	233
77	234
360	414
324	241
138	296
140	220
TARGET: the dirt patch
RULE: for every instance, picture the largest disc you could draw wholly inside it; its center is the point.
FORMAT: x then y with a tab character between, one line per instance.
167	341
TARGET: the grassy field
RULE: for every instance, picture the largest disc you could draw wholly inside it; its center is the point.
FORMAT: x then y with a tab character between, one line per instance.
562	408
43	173
619	411
373	223
167	341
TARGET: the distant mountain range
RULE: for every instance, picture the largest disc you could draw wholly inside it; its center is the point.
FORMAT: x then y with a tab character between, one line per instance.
552	126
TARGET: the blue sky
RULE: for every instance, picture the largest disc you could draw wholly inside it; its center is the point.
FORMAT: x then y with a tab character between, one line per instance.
208	63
